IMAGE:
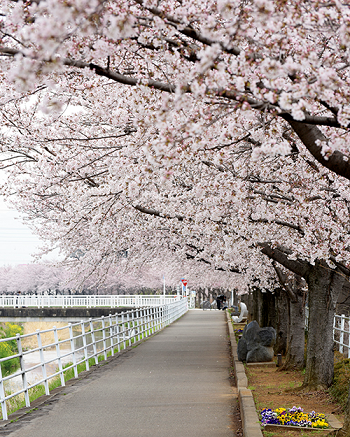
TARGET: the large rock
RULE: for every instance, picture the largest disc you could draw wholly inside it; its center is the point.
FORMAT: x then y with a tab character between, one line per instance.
256	344
242	349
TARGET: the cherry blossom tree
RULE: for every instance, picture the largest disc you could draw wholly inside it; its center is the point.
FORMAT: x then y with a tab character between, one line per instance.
214	130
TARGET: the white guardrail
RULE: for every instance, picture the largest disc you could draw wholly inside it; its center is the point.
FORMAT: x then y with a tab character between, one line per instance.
86	301
341	331
77	343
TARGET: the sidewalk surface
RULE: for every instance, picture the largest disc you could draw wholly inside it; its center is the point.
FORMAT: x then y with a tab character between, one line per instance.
174	384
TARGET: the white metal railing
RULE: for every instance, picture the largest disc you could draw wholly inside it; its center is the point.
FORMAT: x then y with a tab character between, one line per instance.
341	331
86	301
79	343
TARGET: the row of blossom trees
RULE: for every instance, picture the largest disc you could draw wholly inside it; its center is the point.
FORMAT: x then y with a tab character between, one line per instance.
211	134
45	278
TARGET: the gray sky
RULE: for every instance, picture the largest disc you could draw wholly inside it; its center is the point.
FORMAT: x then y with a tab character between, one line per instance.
17	243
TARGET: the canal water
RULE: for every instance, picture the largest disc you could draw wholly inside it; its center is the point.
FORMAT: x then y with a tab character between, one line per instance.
50	353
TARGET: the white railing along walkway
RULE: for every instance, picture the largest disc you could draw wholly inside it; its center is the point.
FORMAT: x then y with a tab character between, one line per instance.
80	343
86	301
341	333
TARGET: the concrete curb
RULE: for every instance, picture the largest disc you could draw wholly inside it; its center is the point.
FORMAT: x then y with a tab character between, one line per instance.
249	416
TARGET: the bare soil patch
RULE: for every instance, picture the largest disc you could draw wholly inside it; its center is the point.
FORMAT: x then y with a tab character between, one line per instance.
275	388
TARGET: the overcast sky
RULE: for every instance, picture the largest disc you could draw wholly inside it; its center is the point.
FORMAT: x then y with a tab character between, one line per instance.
17	243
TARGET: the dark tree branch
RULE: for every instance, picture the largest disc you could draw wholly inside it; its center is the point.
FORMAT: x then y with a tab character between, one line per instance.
340	266
220	269
281	223
311	137
283	281
156	213
300	267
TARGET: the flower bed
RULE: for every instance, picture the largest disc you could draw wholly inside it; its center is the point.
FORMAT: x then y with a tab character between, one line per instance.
238	333
293	417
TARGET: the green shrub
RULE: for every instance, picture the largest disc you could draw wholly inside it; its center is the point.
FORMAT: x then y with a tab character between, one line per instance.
9	347
340	387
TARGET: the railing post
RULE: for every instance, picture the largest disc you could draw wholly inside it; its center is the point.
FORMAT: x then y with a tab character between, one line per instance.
128	322
93	340
145	327
58	353
104	338
23	372
86	355
42	360
138	323
156	318
2	397
348	332
111	333
149	322
142	325
117	331
123	332
72	348
159	318
341	339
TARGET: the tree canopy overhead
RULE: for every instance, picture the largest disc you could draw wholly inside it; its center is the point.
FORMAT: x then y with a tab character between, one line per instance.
211	134
195	128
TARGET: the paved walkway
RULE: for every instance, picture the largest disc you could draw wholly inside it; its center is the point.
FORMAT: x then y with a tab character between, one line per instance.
175	384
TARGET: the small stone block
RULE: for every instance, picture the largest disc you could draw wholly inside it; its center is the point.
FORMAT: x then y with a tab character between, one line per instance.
334	422
323	431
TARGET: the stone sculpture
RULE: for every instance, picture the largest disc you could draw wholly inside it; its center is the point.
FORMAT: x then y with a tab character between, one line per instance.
256	344
243	315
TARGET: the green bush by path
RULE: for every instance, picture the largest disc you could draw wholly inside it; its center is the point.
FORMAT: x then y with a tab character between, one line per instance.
340	388
9	347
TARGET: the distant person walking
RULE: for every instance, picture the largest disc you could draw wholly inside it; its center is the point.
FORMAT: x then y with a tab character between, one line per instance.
218	301
224	303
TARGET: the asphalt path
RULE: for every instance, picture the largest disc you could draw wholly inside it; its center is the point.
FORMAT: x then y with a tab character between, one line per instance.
175	384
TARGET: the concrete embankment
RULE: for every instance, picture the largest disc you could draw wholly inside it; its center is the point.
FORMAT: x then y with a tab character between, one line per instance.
43	314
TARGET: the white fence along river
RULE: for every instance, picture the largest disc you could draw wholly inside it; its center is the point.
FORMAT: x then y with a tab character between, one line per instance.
86	301
86	340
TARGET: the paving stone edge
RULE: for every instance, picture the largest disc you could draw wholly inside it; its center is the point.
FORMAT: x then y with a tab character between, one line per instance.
249	415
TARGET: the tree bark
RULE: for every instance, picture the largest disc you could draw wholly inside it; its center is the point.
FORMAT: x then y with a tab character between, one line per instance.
250	306
296	340
268	313
312	138
257	305
296	318
324	286
282	325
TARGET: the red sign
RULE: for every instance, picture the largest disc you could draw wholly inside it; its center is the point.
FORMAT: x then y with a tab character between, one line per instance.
184	282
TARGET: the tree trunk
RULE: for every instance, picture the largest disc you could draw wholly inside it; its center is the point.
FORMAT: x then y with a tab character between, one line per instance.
296	339
268	314
250	306
324	286
257	305
282	325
